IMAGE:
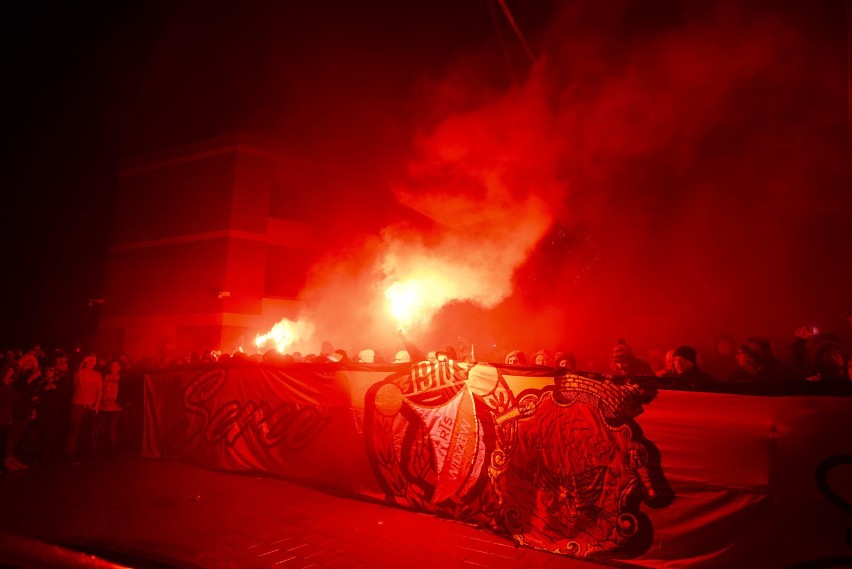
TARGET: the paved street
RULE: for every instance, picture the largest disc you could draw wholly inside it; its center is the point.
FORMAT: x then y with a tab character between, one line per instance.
187	516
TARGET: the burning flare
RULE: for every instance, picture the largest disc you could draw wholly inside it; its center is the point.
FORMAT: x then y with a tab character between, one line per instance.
284	334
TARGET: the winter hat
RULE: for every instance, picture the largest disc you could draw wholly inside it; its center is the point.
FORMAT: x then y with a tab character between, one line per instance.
686	352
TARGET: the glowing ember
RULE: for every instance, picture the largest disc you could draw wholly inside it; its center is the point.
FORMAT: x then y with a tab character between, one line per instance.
285	334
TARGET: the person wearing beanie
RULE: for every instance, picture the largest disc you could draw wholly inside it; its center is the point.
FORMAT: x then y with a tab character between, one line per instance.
757	364
687	372
625	363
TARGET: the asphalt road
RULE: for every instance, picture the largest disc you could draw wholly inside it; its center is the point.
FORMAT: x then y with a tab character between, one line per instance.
152	513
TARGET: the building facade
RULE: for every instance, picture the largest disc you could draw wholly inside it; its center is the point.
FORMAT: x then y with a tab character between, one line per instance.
211	244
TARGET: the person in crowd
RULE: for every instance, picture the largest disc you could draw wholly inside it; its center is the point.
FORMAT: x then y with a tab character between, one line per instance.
797	359
7	404
516	358
724	360
687	372
85	402
39	354
110	410
75	358
326	350
758	364
102	367
49	412
565	360
668	369
24	410
367	356
130	398
65	388
402	356
542	358
832	365
626	363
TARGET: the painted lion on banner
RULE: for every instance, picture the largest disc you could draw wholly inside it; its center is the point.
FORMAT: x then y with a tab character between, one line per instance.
577	472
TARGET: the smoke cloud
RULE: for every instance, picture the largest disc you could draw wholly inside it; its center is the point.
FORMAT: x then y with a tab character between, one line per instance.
659	173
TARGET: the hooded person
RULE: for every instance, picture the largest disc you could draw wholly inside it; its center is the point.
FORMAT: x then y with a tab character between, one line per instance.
516	358
687	372
565	360
542	358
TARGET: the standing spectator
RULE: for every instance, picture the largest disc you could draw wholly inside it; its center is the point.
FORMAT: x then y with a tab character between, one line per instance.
23	410
64	388
110	409
130	398
724	360
85	402
832	369
7	402
49	411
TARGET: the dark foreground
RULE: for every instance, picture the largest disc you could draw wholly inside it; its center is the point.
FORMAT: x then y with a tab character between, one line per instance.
149	513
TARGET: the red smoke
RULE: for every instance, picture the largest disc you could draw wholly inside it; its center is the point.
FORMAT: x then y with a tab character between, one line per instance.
663	173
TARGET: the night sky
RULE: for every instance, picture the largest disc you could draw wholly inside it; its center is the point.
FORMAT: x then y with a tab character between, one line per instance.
662	171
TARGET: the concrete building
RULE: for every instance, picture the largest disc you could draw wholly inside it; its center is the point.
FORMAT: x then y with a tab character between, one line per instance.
211	244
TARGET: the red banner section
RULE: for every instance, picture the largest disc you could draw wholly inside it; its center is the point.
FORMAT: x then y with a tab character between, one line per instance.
569	464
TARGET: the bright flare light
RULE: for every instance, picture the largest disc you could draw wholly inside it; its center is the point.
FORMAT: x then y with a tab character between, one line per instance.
405	301
417	298
285	333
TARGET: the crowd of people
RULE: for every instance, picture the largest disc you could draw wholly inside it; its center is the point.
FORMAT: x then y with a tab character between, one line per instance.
71	405
64	406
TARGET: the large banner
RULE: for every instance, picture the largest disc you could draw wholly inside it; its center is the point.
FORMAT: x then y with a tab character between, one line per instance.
575	465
